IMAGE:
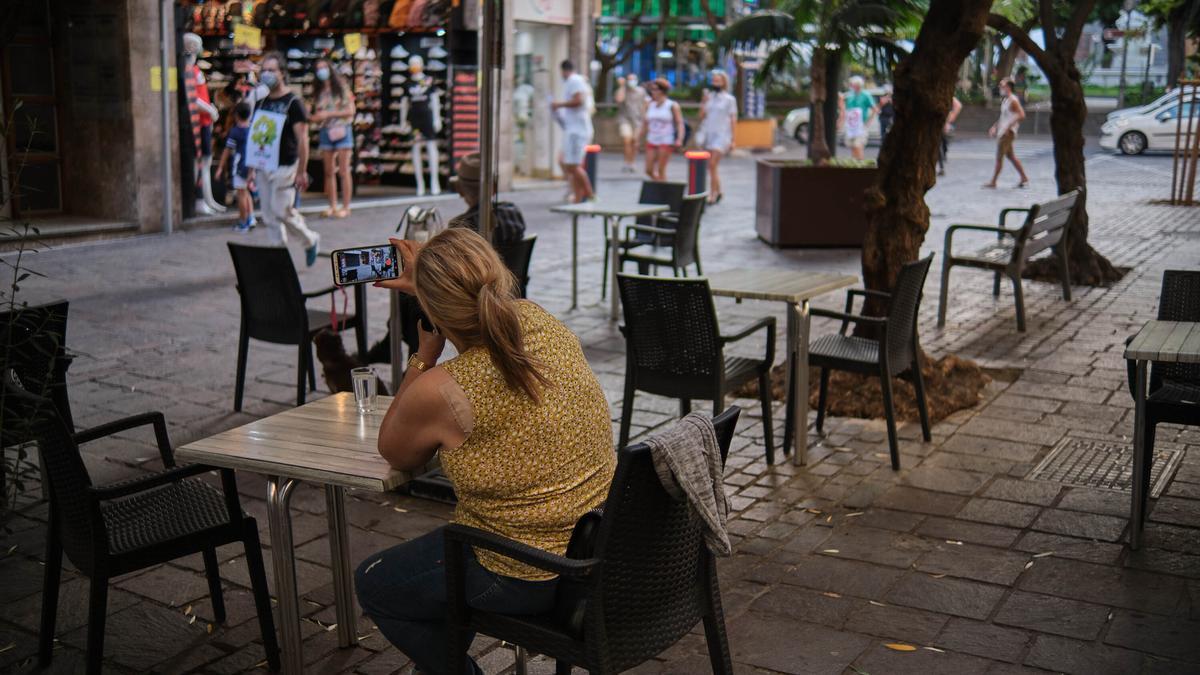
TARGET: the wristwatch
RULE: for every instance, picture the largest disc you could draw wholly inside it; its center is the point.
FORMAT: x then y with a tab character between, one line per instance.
415	361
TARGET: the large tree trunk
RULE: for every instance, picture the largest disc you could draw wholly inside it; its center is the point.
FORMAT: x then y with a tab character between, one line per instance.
818	148
1176	47
1067	116
833	93
897	215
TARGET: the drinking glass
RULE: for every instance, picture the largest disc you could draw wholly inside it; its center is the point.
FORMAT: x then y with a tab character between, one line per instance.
365	390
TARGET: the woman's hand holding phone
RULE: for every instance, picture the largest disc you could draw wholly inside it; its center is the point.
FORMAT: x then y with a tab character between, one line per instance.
405	283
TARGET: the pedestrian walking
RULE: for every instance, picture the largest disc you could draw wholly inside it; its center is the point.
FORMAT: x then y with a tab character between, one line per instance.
886	111
278	152
631	102
576	118
662	129
333	109
857	108
718	118
235	156
1005	132
948	133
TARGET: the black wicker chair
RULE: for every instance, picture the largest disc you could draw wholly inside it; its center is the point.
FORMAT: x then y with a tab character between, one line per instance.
642	578
273	310
674	347
653	192
516	257
115	529
682	240
896	350
1174	387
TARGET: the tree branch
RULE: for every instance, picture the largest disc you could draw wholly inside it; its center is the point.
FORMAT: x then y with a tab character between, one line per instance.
710	17
1018	36
1075	24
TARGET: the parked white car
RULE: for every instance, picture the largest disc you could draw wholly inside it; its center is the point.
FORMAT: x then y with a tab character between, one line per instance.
1168	97
1152	129
796	123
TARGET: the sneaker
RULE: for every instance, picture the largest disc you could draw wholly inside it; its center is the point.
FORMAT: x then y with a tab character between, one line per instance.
399	67
295	65
310	253
399	52
294	53
435	66
397	79
241	227
438	53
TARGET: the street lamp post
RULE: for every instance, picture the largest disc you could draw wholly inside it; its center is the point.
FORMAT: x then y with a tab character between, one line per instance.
1129	5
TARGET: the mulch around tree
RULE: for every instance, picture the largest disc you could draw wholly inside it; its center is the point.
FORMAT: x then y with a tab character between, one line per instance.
951	384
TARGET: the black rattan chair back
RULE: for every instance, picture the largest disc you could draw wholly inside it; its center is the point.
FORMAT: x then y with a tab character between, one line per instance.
902	314
1179	300
516	257
687	231
661	192
272	302
671	333
654	575
35	417
35	351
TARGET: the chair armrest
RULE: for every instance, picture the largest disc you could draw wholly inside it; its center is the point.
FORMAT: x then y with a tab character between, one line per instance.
765	322
650	230
133	422
461	535
1004	214
1000	234
866	293
136	485
317	294
856	318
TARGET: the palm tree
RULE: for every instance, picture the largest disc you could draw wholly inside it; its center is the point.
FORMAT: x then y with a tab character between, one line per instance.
833	28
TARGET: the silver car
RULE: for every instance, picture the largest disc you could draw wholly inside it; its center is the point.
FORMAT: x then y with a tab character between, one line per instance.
1150	129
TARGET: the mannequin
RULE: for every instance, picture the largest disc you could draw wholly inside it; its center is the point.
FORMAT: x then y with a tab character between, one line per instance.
203	114
421	112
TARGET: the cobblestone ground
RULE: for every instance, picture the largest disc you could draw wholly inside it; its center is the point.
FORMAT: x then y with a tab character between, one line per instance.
959	553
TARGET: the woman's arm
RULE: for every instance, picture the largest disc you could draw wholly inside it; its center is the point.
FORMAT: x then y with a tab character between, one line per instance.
419	421
346	111
677	111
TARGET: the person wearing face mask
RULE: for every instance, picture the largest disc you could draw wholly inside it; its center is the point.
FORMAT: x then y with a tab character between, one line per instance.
333	109
281	122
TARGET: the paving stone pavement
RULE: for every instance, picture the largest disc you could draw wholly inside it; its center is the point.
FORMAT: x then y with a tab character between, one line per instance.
958	553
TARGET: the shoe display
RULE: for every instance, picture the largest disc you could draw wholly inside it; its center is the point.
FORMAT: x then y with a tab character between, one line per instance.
399	67
295	65
399	52
438	53
204	65
294	53
397	79
435	66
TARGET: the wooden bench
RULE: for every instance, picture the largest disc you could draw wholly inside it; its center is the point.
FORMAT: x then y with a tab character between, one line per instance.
1045	227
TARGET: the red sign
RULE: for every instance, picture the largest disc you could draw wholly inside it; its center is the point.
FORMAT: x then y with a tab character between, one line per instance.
1113	33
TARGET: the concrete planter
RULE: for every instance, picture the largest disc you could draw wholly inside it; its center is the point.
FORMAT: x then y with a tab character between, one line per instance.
811	206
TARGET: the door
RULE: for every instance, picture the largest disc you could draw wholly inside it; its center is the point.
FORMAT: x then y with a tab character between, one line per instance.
31	107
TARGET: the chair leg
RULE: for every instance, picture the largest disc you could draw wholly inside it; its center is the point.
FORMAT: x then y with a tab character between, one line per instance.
301	374
626	412
764	395
822	394
685	406
889	413
1064	266
1019	296
996	285
51	579
213	571
919	385
262	594
943	293
312	368
240	386
714	629
97	611
604	270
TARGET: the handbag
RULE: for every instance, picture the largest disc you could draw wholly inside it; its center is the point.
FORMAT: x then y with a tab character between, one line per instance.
336	132
420	224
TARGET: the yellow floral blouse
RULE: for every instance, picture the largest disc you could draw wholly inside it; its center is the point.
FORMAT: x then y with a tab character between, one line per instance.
528	471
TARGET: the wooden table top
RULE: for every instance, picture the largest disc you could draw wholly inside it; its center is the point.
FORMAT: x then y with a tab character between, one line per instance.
776	283
1166	342
325	441
618	209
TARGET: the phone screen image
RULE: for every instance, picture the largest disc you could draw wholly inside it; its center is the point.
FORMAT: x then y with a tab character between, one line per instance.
365	264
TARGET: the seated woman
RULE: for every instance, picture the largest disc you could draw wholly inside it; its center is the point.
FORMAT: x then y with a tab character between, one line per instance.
523	430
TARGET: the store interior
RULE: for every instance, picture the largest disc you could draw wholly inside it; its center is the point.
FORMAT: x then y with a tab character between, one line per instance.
400	59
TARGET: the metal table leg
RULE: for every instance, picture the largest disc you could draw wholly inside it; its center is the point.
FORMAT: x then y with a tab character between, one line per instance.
796	417
279	495
1138	509
613	225
339	553
574	261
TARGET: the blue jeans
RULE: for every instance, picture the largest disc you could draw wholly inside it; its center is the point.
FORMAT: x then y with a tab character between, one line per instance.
403	590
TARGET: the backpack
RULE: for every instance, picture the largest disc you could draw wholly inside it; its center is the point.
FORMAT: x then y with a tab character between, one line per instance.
420	224
509	224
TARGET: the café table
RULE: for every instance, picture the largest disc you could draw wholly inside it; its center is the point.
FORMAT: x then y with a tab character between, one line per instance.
612	213
1158	342
326	442
796	288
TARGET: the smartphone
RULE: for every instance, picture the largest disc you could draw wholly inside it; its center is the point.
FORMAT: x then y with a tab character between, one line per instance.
365	264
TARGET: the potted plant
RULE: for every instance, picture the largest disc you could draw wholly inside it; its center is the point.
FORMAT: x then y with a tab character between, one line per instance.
803	203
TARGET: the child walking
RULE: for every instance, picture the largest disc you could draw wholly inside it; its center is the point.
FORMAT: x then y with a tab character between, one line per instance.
235	147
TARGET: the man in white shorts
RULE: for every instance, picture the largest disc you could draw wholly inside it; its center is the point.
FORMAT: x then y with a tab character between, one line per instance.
576	117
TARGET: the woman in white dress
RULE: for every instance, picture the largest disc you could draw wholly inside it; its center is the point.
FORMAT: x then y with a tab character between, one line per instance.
718	117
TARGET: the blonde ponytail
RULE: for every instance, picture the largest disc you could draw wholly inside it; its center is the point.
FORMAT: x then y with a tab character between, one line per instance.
470	296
